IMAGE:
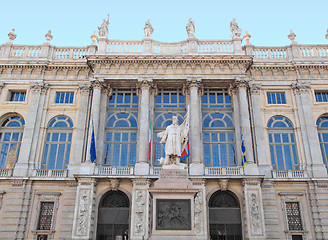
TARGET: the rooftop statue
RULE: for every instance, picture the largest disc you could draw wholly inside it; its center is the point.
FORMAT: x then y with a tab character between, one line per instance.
103	29
175	138
148	29
12	36
190	28
234	28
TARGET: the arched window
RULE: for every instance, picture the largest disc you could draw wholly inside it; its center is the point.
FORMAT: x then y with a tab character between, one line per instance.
282	144
218	138
58	143
218	128
322	126
11	134
121	139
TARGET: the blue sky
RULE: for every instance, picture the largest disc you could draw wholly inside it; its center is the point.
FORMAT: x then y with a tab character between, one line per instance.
73	22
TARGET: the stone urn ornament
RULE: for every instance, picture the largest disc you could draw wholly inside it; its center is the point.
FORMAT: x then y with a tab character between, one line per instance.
247	37
94	37
292	36
48	36
12	36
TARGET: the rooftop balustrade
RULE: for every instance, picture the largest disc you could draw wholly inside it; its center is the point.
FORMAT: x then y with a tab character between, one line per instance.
293	52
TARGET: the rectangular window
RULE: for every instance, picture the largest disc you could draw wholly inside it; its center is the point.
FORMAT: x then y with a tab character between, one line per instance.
64	97
46	213
123	98
170	98
216	98
293	216
17	96
276	98
321	96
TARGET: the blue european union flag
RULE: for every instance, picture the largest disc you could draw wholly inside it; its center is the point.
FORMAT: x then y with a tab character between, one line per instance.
243	150
93	154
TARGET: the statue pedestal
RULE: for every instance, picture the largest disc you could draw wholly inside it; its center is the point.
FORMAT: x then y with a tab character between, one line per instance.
173	206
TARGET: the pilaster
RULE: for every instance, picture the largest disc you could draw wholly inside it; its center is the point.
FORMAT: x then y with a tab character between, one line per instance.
140	209
262	157
83	223
26	160
308	129
253	210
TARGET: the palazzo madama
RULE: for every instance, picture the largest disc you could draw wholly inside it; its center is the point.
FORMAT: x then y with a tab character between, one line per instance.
80	151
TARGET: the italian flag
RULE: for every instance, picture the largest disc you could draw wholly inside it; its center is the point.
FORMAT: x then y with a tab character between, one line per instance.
149	140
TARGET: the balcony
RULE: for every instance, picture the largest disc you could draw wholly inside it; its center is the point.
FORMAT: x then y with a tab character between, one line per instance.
4	172
114	170
224	171
289	174
52	173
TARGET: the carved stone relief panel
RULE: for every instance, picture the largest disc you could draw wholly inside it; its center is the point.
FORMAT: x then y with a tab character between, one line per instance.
83	212
199	213
140	212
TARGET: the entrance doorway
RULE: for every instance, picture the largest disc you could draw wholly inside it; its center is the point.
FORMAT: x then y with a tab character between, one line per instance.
113	216
225	219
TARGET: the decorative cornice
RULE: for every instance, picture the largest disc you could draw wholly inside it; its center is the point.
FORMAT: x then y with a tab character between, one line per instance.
251	181
141	182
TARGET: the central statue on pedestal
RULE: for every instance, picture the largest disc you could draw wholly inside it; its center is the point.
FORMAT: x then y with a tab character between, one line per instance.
175	138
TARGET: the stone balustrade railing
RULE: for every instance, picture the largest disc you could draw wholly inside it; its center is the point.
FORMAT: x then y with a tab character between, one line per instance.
151	47
114	170
289	174
224	171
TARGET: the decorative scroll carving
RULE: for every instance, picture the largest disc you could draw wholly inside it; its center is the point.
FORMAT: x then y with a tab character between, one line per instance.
198	212
193	83
223	184
114	184
255	215
255	88
83	213
301	87
39	87
140	210
84	88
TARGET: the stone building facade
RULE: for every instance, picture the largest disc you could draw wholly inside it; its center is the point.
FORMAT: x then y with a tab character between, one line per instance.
258	139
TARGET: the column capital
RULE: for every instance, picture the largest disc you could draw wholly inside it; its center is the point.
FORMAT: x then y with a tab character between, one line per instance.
251	181
147	84
97	83
193	82
141	182
84	88
301	87
242	81
255	88
39	87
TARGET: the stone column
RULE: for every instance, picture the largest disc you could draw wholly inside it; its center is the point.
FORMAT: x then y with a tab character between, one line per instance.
139	228
253	210
32	127
97	85
142	165
84	213
265	167
242	84
308	129
196	166
80	129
